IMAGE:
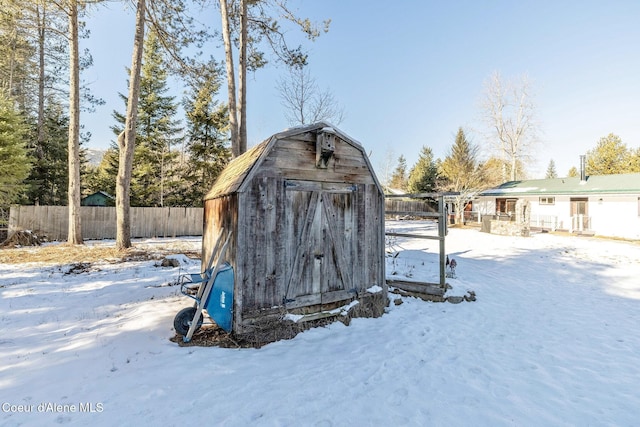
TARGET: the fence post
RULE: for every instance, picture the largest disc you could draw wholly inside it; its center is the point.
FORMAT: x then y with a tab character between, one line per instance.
442	231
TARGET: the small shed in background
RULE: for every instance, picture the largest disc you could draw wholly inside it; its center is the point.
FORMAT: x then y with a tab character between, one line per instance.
307	216
99	198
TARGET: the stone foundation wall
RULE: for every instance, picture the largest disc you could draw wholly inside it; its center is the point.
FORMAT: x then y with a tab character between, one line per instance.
509	228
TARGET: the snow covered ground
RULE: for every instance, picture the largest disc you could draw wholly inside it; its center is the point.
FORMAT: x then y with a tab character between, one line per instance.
552	340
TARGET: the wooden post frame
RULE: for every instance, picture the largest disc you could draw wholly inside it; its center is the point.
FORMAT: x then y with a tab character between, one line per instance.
441	216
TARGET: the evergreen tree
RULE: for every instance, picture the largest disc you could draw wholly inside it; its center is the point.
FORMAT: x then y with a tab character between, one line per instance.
610	156
424	174
460	173
207	141
13	153
35	38
459	168
103	177
551	170
48	181
157	130
399	176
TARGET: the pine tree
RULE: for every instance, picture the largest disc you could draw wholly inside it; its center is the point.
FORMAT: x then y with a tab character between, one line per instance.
551	170
48	181
459	168
610	156
207	140
157	131
103	177
460	173
399	176
424	174
12	152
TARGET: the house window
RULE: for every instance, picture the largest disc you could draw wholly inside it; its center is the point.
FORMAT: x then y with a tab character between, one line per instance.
579	206
547	200
506	206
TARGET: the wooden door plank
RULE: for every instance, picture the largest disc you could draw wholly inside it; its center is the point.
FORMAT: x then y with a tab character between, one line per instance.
302	247
341	262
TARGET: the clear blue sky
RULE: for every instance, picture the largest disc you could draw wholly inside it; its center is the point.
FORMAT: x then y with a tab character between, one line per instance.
409	73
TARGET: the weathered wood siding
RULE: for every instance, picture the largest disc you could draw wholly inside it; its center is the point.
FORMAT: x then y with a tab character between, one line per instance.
324	228
295	158
100	222
304	236
220	215
261	264
373	238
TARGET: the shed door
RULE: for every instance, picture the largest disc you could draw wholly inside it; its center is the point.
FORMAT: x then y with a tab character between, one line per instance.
319	234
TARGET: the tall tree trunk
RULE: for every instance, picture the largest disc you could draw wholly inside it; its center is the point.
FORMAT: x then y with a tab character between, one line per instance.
127	138
40	137
41	76
75	230
242	79
231	79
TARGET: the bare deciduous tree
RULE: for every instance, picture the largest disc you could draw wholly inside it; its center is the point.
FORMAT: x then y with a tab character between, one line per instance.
304	103
248	23
509	112
386	165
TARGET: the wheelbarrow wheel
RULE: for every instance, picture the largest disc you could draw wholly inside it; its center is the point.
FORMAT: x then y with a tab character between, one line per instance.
183	319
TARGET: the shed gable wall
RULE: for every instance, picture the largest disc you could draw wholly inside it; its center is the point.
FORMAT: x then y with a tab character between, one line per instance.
295	158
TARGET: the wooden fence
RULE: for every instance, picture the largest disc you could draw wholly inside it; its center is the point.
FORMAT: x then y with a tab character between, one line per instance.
409	206
100	222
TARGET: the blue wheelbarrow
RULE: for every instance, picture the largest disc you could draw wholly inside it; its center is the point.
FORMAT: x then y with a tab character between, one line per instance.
212	292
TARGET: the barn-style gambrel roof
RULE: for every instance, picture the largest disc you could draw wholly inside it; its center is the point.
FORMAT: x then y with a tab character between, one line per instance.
240	168
597	184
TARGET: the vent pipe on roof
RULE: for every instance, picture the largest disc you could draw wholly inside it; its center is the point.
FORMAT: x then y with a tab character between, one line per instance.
583	168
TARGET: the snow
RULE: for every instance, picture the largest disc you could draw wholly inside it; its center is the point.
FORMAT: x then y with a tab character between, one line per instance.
552	340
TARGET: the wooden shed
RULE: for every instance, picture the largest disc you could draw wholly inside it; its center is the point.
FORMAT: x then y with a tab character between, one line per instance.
306	213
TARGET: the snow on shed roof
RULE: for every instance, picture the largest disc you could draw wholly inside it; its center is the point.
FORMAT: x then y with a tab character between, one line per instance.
596	184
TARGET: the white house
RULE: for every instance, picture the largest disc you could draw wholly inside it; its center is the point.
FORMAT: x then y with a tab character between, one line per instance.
606	205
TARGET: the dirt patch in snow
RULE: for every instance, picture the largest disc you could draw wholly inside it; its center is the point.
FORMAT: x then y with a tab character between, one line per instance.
270	329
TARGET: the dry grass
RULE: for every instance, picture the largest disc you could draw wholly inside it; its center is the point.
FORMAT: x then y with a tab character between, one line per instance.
68	254
62	254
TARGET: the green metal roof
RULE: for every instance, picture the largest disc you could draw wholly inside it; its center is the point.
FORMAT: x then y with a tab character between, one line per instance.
628	183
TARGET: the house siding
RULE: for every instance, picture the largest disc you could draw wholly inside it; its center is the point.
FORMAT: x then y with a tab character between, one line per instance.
609	215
